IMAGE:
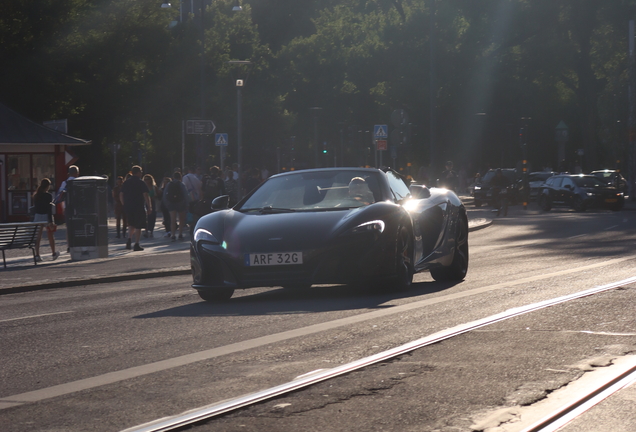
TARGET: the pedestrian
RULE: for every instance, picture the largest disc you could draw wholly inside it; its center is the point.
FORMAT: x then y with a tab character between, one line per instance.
448	179
60	197
212	186
120	214
231	185
253	180
155	197
175	197
43	203
164	210
134	196
192	184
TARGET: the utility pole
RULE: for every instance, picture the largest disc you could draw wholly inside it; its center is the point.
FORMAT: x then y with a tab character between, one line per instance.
632	113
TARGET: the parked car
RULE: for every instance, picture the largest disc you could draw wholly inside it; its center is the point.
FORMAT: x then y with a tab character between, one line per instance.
536	180
483	193
580	192
612	178
330	226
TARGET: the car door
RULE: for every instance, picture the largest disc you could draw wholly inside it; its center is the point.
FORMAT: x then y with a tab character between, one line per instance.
551	188
567	191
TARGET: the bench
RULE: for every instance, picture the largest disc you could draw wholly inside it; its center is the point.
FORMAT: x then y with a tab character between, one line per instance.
19	236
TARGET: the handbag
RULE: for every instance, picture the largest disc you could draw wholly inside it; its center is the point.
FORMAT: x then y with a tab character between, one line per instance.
51	228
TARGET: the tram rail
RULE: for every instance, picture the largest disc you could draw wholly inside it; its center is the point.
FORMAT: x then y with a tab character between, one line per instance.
204	414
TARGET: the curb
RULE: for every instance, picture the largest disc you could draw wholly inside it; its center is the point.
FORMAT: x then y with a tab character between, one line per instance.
175	271
484	223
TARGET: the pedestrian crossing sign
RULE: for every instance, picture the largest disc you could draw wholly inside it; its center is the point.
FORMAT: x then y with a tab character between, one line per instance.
380	132
220	139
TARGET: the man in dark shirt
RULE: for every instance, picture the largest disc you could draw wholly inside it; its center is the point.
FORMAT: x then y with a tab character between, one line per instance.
449	178
134	197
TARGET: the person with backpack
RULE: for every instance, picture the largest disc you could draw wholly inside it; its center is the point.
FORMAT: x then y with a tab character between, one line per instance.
212	186
175	198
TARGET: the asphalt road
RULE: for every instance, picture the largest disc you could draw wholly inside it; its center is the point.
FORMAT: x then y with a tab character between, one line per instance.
108	356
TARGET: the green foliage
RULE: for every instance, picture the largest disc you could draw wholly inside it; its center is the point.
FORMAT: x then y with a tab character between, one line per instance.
121	72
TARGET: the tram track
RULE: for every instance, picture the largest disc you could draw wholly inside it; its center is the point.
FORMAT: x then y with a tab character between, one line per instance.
206	413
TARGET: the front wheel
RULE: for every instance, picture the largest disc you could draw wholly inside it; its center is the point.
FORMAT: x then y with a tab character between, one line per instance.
577	204
459	267
403	277
216	295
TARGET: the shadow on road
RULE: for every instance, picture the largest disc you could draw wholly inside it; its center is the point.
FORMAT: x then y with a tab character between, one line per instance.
279	301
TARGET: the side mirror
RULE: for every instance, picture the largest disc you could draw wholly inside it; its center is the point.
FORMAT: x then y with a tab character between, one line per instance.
419	191
220	202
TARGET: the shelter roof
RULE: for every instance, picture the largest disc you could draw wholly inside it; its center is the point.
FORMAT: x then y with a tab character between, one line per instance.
16	129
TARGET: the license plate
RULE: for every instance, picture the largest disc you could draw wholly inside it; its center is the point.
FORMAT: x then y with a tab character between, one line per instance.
611	200
273	259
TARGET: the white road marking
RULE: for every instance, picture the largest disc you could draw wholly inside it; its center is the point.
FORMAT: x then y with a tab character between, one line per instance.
137	371
35	316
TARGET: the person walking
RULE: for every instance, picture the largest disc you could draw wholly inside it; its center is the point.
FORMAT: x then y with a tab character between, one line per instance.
449	178
60	197
175	197
231	185
155	197
164	210
134	197
120	214
43	203
212	186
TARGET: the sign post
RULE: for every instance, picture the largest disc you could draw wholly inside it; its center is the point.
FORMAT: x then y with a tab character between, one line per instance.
221	141
194	127
380	134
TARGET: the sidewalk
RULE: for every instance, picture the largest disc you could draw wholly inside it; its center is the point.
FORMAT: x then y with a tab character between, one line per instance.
160	257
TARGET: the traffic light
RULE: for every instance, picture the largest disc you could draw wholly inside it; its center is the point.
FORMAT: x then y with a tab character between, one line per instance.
324	147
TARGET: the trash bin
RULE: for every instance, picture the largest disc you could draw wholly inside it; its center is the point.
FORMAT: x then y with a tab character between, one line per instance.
87	217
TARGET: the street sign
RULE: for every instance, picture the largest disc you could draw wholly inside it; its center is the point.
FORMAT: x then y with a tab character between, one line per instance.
380	132
220	139
381	144
200	127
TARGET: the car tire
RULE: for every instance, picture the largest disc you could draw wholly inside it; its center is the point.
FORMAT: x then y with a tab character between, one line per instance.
544	203
459	266
403	278
216	295
577	204
477	203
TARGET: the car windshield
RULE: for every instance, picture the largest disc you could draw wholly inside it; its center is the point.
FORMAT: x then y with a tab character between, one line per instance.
533	177
603	175
588	182
315	191
491	174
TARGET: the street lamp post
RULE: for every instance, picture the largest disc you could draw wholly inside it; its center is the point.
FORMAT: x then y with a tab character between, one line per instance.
524	145
315	111
243	69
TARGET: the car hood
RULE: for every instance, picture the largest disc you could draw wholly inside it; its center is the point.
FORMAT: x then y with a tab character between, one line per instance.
253	232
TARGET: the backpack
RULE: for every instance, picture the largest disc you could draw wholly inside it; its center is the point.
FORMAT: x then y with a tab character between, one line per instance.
211	188
174	192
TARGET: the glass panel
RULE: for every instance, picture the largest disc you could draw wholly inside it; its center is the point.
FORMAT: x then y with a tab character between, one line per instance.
43	167
398	187
19	172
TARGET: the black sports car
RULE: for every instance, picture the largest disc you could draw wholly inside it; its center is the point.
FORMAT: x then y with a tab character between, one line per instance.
330	226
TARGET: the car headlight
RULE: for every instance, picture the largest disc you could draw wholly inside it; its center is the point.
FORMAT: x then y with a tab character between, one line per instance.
371	226
591	194
477	187
204	235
